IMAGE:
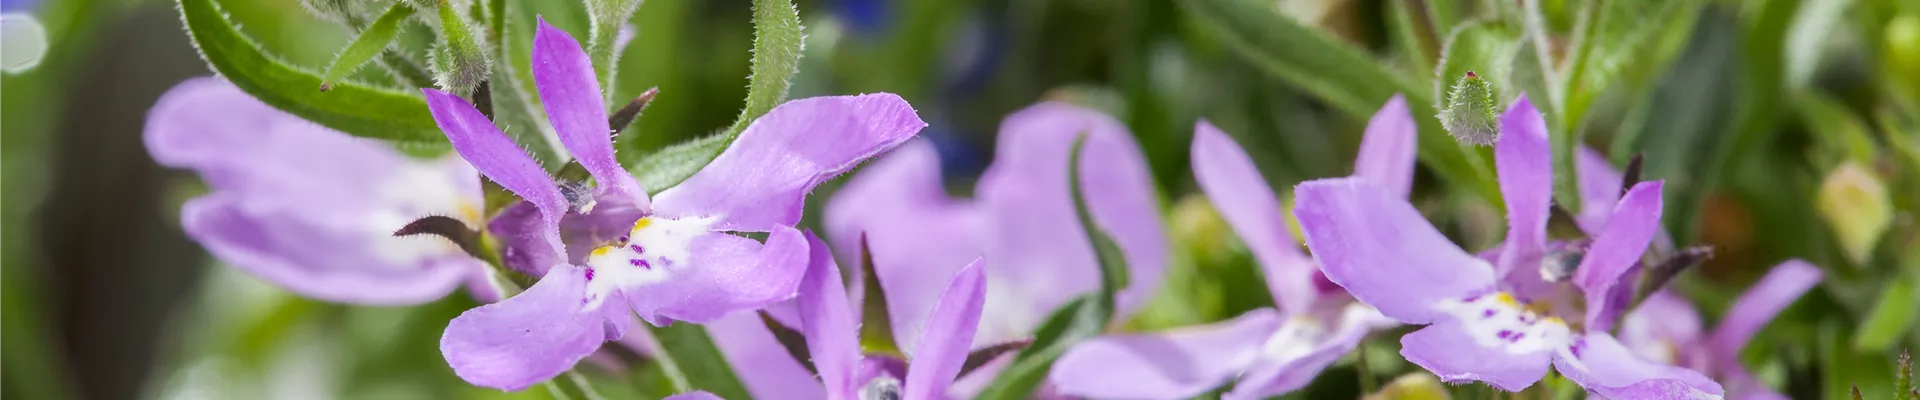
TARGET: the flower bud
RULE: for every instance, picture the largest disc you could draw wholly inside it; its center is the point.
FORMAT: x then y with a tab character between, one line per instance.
1414	386
1855	205
1201	230
459	61
1471	114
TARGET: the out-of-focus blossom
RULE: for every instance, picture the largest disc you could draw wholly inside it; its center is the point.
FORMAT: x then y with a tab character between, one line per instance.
667	258
831	328
1498	319
311	209
1856	206
1271	352
23	41
1666	329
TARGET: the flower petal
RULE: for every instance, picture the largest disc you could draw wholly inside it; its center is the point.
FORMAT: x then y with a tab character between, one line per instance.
1453	352
497	157
762	180
827	320
1290	366
762	363
1601	365
943	344
520	230
1174	364
1236	188
1760	304
570	92
1525	165
1387	150
1381	250
917	235
527	338
1599	186
1616	250
1664	329
725	273
1037	247
321	260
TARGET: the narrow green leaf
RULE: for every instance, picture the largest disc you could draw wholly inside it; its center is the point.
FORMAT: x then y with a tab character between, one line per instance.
692	362
1484	49
1891	317
1409	35
777	41
981	356
1077	320
572	386
794	341
371	42
356	109
1113	266
607	17
667	167
876	327
1342	76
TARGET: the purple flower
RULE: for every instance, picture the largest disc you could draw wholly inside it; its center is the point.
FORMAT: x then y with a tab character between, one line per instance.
1665	328
833	339
673	258
1022	219
1271	352
308	208
1498	320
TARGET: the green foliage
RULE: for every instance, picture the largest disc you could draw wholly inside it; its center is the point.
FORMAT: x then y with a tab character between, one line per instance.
460	61
876	325
371	42
347	107
777	43
690	361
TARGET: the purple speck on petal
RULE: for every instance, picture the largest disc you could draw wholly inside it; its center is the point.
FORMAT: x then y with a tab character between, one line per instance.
1488	314
637	249
1516	337
1504	334
589	274
624	239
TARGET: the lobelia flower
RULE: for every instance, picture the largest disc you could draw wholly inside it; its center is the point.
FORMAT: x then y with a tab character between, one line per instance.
919	234
1665	328
1271	352
673	258
311	209
1498	319
833	340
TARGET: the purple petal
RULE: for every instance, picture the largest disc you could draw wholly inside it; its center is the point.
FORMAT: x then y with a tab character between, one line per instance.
917	235
1761	303
1387	151
1037	247
693	395
1179	363
497	157
1525	164
1290	364
1599	186
1616	250
521	232
570	92
827	321
1601	365
527	338
1236	188
321	260
760	360
762	180
1664	329
726	273
948	335
1455	353
307	208
1381	250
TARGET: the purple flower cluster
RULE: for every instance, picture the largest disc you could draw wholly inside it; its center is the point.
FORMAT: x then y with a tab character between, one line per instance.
314	211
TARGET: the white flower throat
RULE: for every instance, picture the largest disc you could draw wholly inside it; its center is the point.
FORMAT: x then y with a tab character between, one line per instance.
649	253
1498	321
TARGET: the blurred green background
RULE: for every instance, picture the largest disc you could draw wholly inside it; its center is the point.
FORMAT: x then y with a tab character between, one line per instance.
1745	107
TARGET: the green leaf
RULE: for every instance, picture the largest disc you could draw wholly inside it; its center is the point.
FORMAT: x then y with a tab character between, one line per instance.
876	327
981	356
371	42
1408	35
572	386
1484	49
1891	317
667	167
777	41
607	16
1342	76
1844	368
1836	128
691	361
1113	265
1079	319
356	109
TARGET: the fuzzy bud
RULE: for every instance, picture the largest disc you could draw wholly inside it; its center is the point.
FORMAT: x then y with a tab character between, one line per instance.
1471	114
1855	205
460	61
